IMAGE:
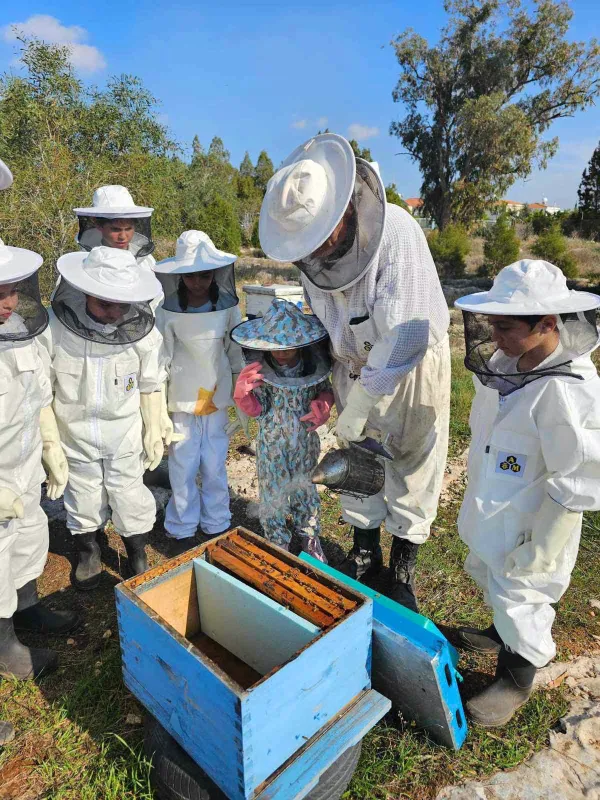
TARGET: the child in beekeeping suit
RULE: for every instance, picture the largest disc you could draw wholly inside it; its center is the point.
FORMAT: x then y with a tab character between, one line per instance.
102	350
201	308
286	387
534	466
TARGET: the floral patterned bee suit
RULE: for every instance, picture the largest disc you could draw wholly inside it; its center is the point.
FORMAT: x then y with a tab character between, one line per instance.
287	451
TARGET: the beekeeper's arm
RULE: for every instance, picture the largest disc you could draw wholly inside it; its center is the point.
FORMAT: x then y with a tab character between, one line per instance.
570	440
152	377
165	360
236	362
407	294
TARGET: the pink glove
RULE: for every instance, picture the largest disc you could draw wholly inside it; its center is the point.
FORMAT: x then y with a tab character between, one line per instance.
320	410
248	380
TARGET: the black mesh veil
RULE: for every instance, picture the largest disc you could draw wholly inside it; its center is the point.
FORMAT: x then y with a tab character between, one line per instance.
222	291
71	307
90	234
23	316
365	220
578	335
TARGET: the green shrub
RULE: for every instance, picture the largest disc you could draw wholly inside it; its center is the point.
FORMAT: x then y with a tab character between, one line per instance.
501	246
541	222
552	246
449	249
220	221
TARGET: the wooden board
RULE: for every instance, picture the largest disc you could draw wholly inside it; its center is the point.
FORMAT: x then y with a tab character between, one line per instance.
176	601
233	666
260	632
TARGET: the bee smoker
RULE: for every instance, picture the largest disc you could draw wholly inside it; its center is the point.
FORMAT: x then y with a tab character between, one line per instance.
356	471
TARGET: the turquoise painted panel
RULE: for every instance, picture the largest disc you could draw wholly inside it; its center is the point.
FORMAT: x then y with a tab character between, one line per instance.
413	665
249	624
196	706
283	712
302	772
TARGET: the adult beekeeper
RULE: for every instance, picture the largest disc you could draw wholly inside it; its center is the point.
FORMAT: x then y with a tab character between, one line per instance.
102	351
200	310
534	465
369	277
28	436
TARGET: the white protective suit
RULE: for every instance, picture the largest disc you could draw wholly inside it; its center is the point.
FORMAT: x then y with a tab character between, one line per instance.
398	348
200	359
24	391
548	433
97	390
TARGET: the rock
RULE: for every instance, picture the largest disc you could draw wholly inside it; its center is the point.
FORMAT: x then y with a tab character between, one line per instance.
594	603
568	769
571	682
107	634
133	719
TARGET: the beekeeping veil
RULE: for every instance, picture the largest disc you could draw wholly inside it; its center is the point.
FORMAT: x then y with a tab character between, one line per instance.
115	203
283	327
19	284
195	252
324	210
109	275
526	289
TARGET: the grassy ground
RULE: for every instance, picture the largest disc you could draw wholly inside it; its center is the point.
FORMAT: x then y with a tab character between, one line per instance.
585	253
79	731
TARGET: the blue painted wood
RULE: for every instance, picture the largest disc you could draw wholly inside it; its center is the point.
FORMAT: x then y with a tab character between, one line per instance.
196	705
300	774
256	629
413	665
282	713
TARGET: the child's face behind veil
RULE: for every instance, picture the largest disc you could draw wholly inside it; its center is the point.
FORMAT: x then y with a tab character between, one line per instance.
286	358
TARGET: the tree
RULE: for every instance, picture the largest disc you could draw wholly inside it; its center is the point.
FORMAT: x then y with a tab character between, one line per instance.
449	249
247	167
551	245
392	196
263	172
479	102
360	152
219	220
589	188
501	246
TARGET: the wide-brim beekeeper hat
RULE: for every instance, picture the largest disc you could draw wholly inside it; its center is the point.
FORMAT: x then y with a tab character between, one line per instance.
283	327
19	269
6	176
307	197
109	274
114	202
194	252
16	263
529	288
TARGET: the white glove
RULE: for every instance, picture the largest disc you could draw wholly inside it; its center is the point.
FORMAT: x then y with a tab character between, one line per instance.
166	423
351	422
10	506
551	531
151	407
53	456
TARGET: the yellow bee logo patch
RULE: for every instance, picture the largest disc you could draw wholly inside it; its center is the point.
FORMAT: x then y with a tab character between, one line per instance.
129	383
512	464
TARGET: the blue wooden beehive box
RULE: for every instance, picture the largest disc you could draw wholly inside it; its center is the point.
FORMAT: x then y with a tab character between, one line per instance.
241	682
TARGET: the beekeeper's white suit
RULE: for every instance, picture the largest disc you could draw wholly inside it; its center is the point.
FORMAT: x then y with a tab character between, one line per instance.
97	388
383	307
537	444
200	359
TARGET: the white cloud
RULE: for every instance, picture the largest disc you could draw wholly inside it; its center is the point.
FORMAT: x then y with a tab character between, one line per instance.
300	123
322	122
361	132
42	26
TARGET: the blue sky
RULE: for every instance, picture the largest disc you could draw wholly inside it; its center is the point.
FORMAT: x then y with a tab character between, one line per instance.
268	74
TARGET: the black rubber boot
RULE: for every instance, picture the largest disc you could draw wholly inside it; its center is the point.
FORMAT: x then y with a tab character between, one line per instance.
7	732
403	562
18	661
480	641
31	615
511	689
179	546
365	560
136	553
89	562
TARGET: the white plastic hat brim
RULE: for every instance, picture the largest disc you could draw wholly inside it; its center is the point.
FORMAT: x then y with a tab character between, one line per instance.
6	176
182	266
22	264
115	212
336	156
146	288
478	303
